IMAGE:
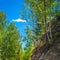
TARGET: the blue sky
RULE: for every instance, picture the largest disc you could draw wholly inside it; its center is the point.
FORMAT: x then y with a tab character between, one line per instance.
12	9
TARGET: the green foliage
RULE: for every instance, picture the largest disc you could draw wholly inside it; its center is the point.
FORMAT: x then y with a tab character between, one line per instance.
10	47
30	38
42	11
9	40
27	54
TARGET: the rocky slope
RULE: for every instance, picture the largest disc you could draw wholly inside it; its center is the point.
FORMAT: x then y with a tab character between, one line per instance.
49	51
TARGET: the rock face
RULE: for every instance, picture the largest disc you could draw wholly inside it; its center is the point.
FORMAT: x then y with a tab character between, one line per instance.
49	51
52	54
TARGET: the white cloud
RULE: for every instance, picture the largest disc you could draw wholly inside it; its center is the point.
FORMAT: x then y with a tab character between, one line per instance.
19	20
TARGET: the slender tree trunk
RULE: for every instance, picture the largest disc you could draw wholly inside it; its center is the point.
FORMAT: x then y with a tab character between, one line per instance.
45	12
50	23
46	30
